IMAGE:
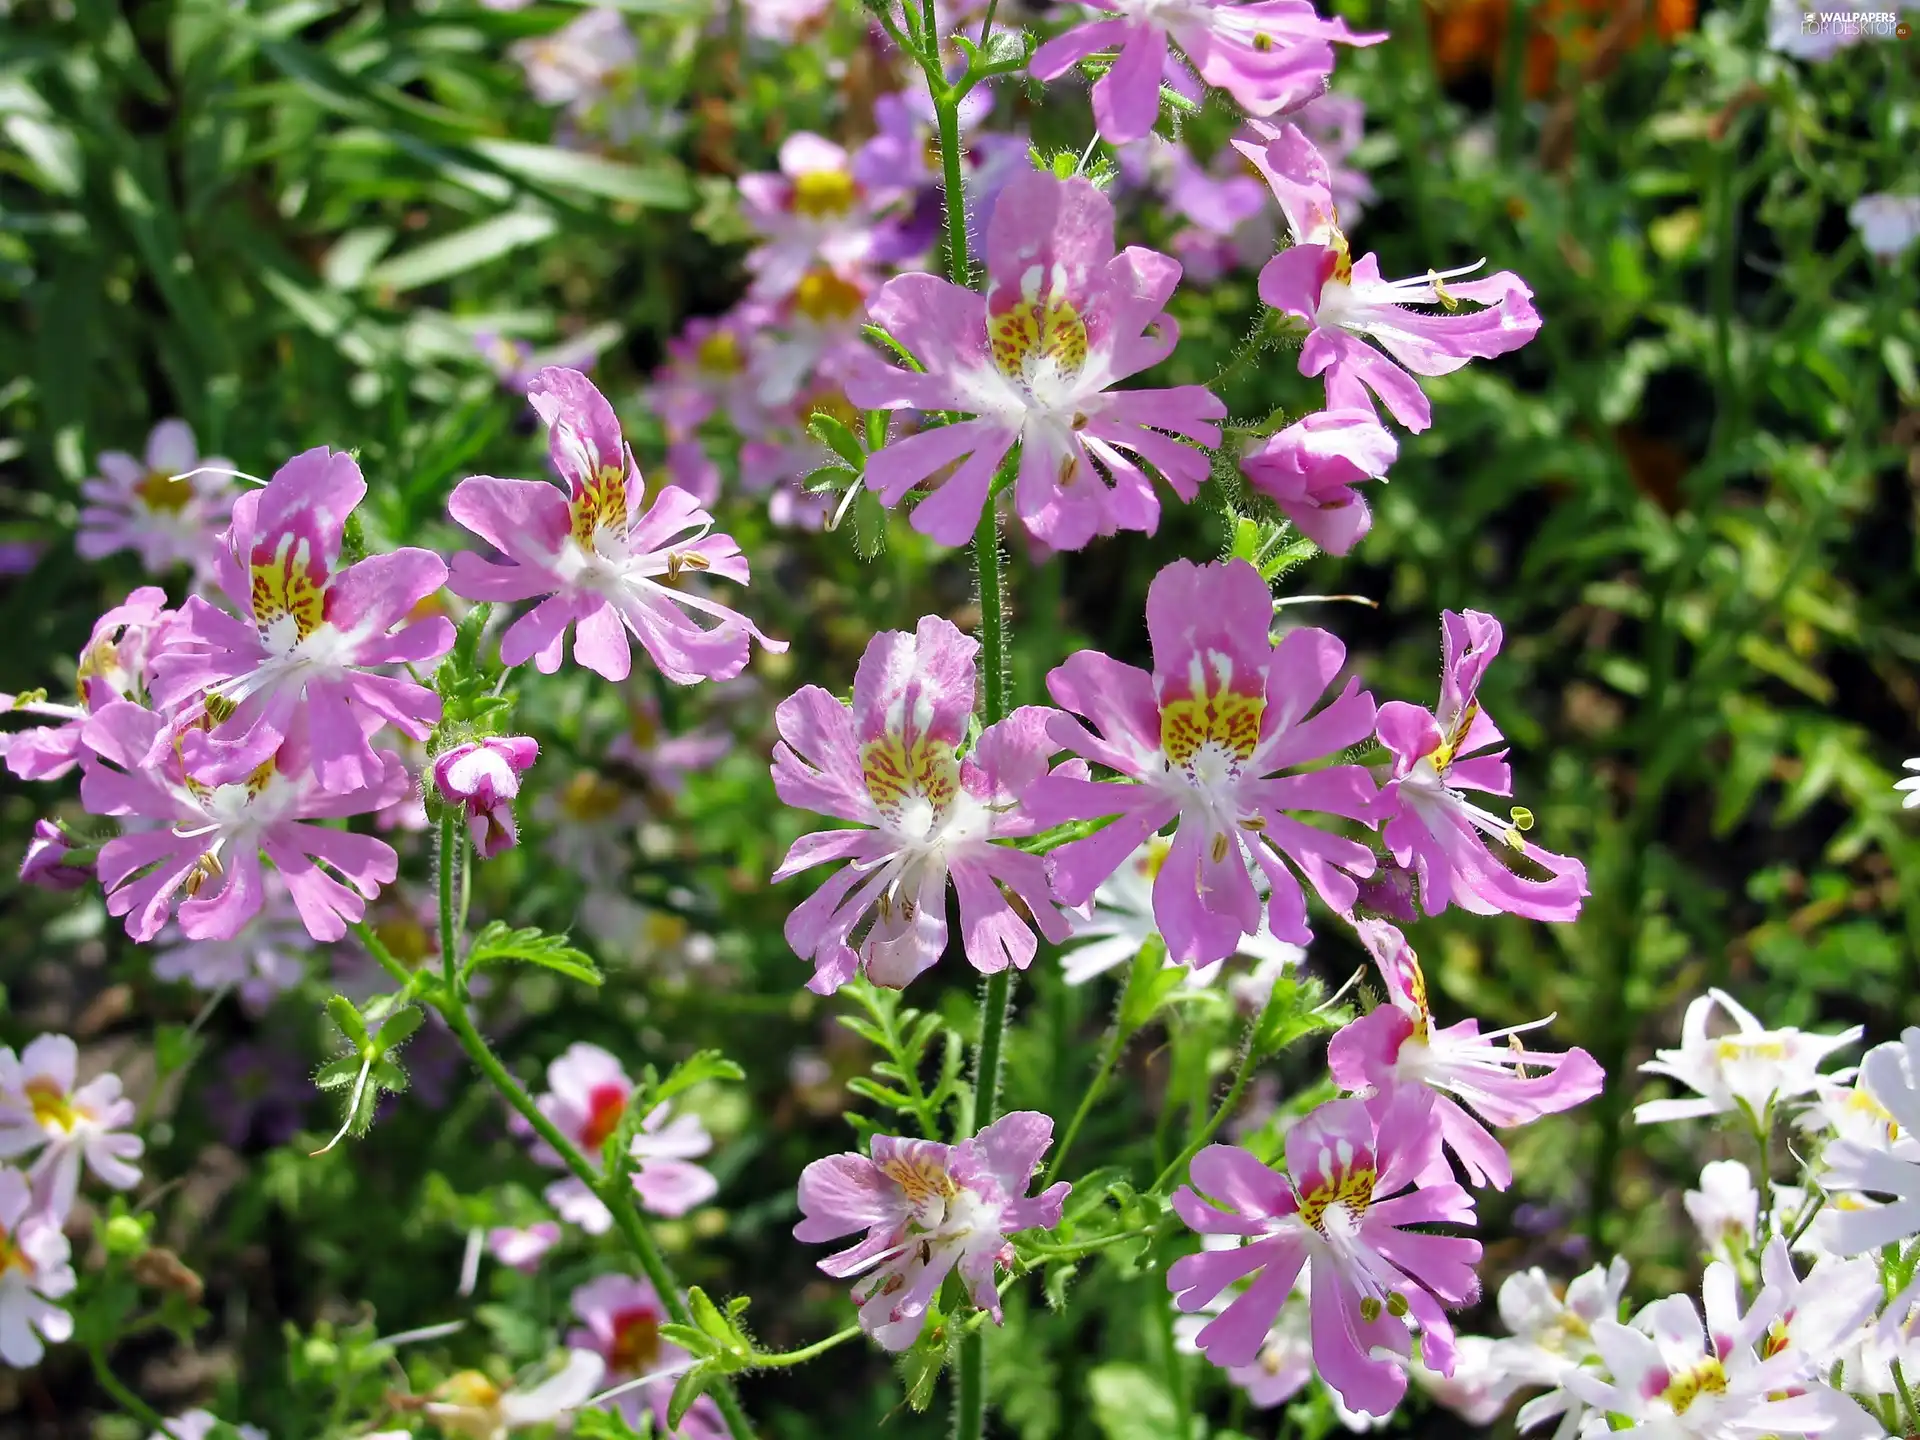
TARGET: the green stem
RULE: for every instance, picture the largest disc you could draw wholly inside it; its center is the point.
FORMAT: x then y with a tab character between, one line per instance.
1214	1122
614	1191
970	1387
805	1352
451	834
122	1396
1109	1058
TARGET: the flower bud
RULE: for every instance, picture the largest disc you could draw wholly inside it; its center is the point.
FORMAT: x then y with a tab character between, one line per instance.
45	864
483	777
125	1236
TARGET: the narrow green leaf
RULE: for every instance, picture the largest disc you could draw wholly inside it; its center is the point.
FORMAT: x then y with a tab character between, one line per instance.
463	250
658	187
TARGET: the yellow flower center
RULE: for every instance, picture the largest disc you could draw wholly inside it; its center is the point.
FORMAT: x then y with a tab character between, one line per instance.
719	353
1443	757
1349	1189
289	588
1222	719
922	1179
912	785
601	504
164	494
1034	331
826	298
52	1110
589	797
1735	1048
821	194
1703	1377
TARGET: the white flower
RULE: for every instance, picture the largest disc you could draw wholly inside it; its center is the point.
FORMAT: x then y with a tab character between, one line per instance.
1824	1314
194	1425
1725	1209
1849	1112
1111	928
1482	1383
33	1274
1888	224
1891	1075
1552	1336
1672	1379
1752	1065
40	1104
1912	783
470	1404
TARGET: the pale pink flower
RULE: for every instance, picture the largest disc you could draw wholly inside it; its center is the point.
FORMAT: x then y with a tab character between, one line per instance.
587	1098
1035	362
813	212
45	865
522	1249
928	1208
113	666
266	958
1202	742
1750	1066
45	1108
593	556
1479	1080
1340	1211
890	763
1431	826
1270	56
1888	224
1310	470
198	1425
36	1274
620	1319
483	777
211	839
573	65
152	507
313	640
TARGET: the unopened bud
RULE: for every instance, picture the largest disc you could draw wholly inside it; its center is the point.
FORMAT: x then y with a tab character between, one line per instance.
125	1236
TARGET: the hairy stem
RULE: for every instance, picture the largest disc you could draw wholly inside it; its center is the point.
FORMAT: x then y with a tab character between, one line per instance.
1109	1058
122	1396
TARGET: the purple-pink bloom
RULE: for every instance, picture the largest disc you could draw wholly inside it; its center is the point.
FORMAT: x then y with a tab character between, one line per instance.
587	1100
1341	300
1034	362
620	1319
1271	56
522	1249
1345	1211
1335	123
594	557
266	958
1479	1080
45	1108
1431	826
1202	741
1310	469
113	666
310	642
45	865
815	212
890	763
152	507
926	1208
210	839
483	777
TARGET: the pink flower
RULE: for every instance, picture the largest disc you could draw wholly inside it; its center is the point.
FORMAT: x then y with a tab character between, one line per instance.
587	1099
890	763
595	557
663	760
1341	1212
1340	300
45	864
1271	55
1499	1081
143	505
706	371
42	1104
926	1208
266	958
113	666
483	777
1034	361
522	1249
573	65
1432	827
1336	123
620	1320
1202	741
814	212
37	1273
210	839
1310	468
309	642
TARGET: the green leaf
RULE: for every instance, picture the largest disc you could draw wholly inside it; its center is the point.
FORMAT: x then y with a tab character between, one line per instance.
343	1014
696	1069
1130	1404
920	1367
833	433
869	526
658	187
499	943
1149	983
395	1029
692	1386
463	250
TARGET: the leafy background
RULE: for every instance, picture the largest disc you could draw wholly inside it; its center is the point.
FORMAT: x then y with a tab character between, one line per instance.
1691	503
